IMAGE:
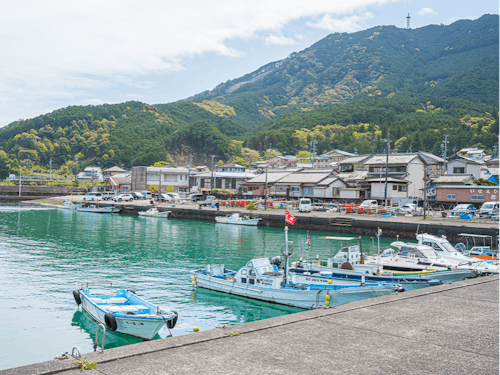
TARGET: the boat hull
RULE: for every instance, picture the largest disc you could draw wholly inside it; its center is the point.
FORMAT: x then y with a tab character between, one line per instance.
100	210
305	299
163	215
134	325
247	222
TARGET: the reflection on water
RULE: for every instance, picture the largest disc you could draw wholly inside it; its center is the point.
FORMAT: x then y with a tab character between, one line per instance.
44	252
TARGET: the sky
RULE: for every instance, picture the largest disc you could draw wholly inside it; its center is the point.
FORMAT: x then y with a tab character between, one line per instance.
59	53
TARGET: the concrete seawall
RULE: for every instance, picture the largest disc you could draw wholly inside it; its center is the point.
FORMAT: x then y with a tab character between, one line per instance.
446	329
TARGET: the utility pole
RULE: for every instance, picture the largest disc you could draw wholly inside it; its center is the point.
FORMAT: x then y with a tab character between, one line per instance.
444	150
408	21
265	199
190	161
212	180
76	168
313	152
50	162
387	165
20	176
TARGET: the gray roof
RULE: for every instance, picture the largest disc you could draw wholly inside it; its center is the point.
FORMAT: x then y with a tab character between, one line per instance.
465	159
303	178
327	181
466	187
389	179
115	169
355	159
431	157
345	153
226	175
452	178
232	165
272	177
354	176
493	171
393	159
317	170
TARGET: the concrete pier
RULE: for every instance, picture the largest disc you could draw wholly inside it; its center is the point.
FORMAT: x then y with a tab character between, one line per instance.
446	329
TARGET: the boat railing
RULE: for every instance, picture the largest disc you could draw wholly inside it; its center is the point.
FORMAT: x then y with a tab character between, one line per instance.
81	284
96	347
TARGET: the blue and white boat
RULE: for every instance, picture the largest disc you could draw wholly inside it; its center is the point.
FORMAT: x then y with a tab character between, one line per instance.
123	311
261	280
98	210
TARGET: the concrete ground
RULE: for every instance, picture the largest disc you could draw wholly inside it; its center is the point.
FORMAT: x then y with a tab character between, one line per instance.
434	217
446	329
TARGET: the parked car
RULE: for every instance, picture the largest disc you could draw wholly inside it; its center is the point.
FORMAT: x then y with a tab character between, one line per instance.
146	194
137	195
175	197
209	200
106	195
370	203
163	197
410	208
123	197
305	205
195	197
488	209
92	196
464	207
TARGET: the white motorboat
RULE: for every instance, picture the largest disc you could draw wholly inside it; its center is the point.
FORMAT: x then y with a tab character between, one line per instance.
98	210
154	212
69	205
414	258
446	250
237	220
261	280
123	311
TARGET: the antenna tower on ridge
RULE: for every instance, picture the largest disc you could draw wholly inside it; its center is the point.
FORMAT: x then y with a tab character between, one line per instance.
408	21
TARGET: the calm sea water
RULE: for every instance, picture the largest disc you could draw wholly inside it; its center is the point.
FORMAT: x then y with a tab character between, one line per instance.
44	252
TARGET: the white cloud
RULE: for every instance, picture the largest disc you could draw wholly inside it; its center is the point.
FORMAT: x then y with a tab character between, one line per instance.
427	12
279	40
345	24
58	52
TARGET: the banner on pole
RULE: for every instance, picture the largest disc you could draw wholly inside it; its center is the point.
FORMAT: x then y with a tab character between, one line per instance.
289	218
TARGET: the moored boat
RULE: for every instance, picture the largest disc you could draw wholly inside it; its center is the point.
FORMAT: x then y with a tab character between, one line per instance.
237	220
123	311
261	280
154	212
98	210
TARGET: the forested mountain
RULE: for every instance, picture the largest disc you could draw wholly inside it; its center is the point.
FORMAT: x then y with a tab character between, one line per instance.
456	61
345	91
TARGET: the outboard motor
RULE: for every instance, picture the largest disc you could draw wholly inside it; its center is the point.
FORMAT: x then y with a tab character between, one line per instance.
276	261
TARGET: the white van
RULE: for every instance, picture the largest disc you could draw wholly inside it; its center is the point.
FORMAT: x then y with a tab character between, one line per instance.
305	205
488	209
92	196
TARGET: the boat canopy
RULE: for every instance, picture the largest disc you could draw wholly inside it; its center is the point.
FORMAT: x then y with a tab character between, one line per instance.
338	238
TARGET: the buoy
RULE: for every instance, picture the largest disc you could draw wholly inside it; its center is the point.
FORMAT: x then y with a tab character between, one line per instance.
327	300
329	282
196	329
194	281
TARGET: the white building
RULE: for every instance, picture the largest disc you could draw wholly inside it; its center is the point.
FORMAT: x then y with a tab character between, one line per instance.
90	174
463	165
163	179
329	188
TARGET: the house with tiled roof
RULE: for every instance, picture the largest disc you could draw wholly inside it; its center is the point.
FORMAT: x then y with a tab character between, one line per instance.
299	184
257	185
463	165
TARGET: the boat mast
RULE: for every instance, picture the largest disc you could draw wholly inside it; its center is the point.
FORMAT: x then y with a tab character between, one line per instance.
286	254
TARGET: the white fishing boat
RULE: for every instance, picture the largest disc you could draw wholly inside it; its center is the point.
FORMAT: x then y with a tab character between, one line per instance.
123	311
99	210
154	212
69	205
237	220
261	280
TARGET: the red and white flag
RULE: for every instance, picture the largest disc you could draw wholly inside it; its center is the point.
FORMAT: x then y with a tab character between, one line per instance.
308	239
289	218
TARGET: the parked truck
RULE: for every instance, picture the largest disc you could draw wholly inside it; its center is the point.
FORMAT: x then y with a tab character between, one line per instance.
209	201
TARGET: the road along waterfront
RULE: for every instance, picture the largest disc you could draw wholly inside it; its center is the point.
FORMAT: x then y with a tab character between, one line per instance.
44	252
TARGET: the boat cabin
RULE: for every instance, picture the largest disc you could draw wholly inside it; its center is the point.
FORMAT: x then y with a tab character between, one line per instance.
259	272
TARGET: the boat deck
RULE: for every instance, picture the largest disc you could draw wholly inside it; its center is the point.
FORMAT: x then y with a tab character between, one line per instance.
446	329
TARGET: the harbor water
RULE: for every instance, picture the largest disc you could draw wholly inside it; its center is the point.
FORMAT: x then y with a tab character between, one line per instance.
44	252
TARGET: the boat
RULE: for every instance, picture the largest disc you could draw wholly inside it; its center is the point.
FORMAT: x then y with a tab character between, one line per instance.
484	252
123	311
154	212
261	280
99	210
69	205
237	220
447	251
422	260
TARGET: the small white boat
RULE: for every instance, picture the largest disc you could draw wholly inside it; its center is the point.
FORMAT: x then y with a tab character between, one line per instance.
154	212
237	219
99	210
69	205
123	311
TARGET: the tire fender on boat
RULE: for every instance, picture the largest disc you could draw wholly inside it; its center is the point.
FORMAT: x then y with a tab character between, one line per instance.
110	321
76	295
172	322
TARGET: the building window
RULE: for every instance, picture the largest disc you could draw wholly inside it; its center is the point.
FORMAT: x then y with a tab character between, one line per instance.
170	177
477	197
458	170
308	191
294	189
451	197
395	187
402	188
336	191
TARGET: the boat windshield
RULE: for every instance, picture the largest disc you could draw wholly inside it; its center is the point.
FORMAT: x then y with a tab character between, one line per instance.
448	247
261	262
